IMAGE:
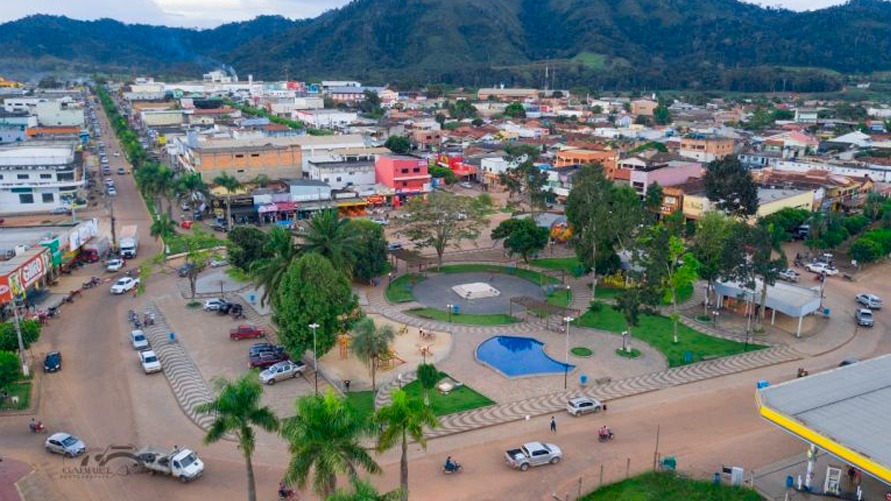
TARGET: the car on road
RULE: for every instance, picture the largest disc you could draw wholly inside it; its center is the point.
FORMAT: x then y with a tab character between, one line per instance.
264	347
121	171
114	265
282	370
819	267
532	454
124	284
150	362
789	275
60	211
65	444
864	317
849	361
871	301
52	362
138	340
381	221
214	304
218	261
246	331
117	153
583	405
265	359
112	192
221	227
394	247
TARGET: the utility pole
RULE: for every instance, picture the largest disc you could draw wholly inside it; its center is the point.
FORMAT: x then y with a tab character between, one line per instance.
114	238
18	333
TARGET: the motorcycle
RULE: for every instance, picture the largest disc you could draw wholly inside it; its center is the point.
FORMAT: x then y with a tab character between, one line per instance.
455	468
92	282
285	492
37	427
605	437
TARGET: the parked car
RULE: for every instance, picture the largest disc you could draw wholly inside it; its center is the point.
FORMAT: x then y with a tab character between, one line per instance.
819	267
246	332
583	405
121	171
266	359
60	211
871	301
124	284
394	247
112	192
218	261
65	444
381	221
864	317
532	454
150	362
214	304
220	227
789	275
113	265
137	338
53	362
282	370
264	347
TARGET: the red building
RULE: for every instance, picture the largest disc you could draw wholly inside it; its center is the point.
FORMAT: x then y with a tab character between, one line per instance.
455	162
405	175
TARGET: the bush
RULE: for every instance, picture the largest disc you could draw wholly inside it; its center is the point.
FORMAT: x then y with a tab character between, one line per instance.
865	250
10	369
881	237
9	340
855	224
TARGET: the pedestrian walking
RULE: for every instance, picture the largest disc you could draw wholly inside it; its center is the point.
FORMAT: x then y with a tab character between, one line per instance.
553	425
604	407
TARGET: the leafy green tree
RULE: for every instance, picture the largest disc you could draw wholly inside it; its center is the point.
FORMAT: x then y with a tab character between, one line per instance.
325	440
597	109
10	369
521	236
364	491
629	303
162	227
231	185
710	247
237	410
191	185
865	250
9	340
477	122
398	144
462	109
404	419
428	376
281	252
873	205
370	344
730	185
515	110
197	257
332	237
443	219
653	199
668	261
440	118
246	246
524	178
371	104
371	245
661	115
312	291
444	173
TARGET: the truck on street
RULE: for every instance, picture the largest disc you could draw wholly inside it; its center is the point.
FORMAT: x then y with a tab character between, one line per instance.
95	250
532	454
178	463
129	241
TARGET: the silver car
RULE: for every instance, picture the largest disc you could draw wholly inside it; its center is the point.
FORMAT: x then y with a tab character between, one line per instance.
281	370
63	443
870	301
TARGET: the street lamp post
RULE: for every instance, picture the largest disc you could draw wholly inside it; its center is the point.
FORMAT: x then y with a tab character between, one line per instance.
568	321
450	306
315	355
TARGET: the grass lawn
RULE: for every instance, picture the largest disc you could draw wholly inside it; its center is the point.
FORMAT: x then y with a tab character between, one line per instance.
463	318
684	293
570	265
606	293
581	351
237	274
460	399
21	390
663	486
362	401
560	297
179	243
530	275
658	332
399	291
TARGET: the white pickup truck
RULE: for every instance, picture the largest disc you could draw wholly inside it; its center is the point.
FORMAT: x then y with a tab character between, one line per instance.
178	463
532	454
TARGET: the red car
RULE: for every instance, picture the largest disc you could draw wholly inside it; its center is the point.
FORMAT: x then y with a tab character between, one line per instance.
246	332
267	358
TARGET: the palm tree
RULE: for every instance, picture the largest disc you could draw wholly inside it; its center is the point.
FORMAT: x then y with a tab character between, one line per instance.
364	491
162	227
332	237
325	437
192	185
237	410
370	343
231	185
269	272
404	418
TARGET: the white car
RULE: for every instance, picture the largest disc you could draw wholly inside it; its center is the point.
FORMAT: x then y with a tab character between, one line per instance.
821	268
112	192
789	275
149	361
214	304
218	261
65	444
124	284
583	405
137	338
282	370
381	221
114	265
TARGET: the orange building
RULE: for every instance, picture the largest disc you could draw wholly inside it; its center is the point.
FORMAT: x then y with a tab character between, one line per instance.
246	162
608	159
706	149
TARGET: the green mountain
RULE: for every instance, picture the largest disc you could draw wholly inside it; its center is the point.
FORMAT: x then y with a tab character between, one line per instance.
598	44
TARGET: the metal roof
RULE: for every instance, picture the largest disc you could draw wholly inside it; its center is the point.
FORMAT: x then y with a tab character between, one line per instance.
845	411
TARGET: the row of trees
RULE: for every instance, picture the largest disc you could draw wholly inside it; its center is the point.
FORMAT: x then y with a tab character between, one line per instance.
325	437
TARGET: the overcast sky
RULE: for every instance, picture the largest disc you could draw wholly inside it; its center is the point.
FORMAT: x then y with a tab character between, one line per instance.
210	13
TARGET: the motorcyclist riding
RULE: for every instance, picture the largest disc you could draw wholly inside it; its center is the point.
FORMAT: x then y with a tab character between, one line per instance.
450	466
604	433
35	426
285	492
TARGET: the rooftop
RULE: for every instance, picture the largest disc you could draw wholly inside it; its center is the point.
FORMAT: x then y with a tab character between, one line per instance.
22	154
767	195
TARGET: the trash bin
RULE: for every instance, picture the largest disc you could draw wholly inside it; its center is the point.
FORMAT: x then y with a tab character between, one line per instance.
583	379
763	384
826	312
790	482
457	309
669	463
716	478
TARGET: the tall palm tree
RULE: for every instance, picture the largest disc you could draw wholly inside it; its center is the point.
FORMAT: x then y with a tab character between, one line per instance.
192	185
269	272
370	343
332	237
324	439
404	418
237	410
231	185
162	227
364	491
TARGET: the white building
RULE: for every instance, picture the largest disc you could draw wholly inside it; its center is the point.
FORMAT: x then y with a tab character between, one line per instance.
39	176
342	172
60	113
20	104
326	118
879	173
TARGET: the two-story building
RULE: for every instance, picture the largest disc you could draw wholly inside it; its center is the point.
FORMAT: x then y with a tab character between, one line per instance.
341	172
244	159
326	118
405	176
39	176
706	148
608	159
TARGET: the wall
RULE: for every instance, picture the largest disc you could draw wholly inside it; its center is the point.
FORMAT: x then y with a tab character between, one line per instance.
284	162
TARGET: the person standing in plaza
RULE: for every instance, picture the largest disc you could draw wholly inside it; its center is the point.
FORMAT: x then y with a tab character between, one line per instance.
553	425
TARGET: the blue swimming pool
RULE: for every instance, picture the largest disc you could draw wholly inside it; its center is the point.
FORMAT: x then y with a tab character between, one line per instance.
518	356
